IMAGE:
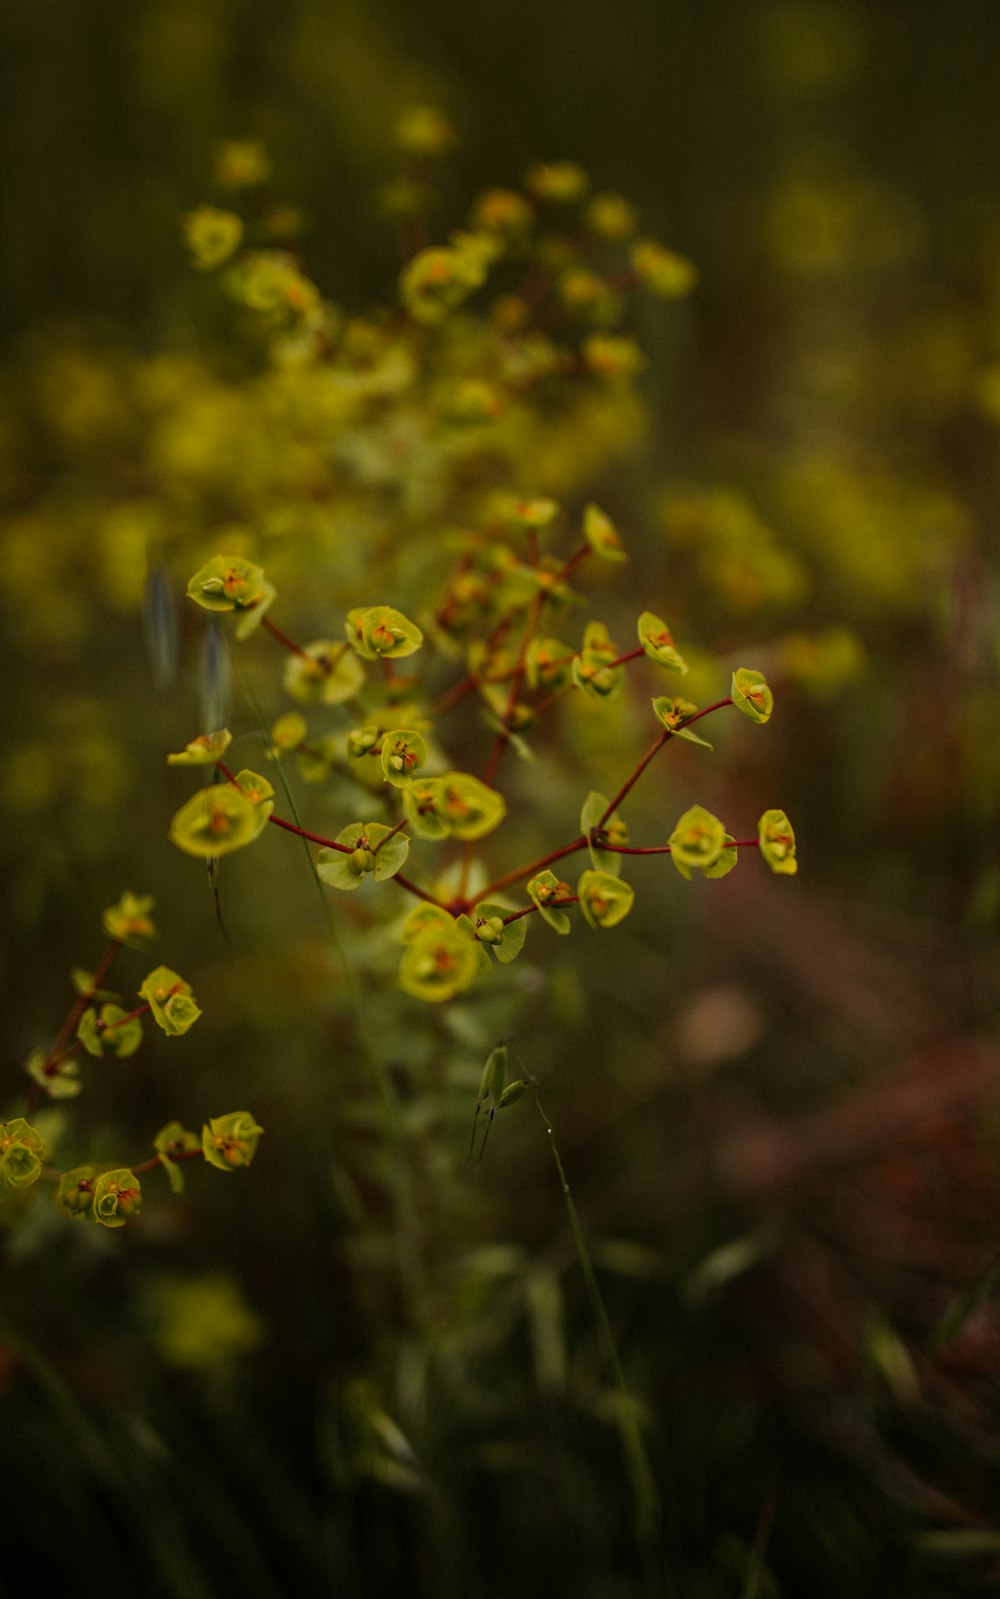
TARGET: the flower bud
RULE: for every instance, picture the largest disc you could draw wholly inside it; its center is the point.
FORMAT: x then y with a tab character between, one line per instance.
117	1196
230	1141
22	1151
76	1190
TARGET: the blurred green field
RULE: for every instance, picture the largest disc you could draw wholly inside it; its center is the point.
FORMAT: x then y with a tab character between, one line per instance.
366	1367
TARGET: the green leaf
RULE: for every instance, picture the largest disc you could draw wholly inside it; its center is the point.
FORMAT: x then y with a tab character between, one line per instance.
604	900
63	1083
438	963
346	871
672	712
229	1142
751	694
592	673
602	535
316	760
212	236
75	1193
175	1176
22	1151
175	1138
169	999
83	982
390	857
260	793
656	640
698	840
467	927
120	1036
324	674
667	274
403	752
228	583
117	1195
726	861
89	1033
203	750
543	888
548	664
509	938
252	617
289	731
469	807
423	807
777	843
591	668
612	831
379	632
215	821
129	921
424	917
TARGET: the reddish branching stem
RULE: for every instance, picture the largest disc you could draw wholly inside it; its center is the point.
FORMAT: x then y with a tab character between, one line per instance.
180	1154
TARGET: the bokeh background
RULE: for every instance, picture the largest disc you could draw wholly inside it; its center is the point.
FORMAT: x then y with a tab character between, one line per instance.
775	1101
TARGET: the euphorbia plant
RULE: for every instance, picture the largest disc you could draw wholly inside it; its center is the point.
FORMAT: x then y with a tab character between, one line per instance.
96	1025
393	736
499	331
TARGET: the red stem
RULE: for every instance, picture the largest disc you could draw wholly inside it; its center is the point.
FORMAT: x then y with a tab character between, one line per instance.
181	1154
632	655
344	849
411	888
575	559
633	778
326	665
530	627
282	638
535	866
391	834
553	905
664	738
314	838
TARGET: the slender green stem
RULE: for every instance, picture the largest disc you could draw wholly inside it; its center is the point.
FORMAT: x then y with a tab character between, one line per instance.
646	1502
